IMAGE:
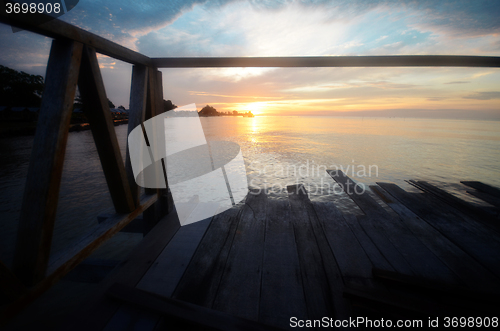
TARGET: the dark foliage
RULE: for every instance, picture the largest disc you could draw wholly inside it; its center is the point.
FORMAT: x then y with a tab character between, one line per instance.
208	111
168	105
19	89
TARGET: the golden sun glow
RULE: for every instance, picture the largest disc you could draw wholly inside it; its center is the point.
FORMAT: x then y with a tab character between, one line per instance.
257	108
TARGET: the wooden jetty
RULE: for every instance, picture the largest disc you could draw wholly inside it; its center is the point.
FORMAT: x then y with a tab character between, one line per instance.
258	264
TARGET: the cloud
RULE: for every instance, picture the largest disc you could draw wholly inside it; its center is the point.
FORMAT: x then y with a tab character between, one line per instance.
126	20
484	95
269	28
458	82
24	50
289	28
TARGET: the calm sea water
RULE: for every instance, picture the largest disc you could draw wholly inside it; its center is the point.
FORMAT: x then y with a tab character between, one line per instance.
278	151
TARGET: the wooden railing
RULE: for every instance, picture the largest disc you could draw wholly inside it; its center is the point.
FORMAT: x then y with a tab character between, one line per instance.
73	62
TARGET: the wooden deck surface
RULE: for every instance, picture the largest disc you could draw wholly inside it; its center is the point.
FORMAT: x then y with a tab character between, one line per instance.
415	255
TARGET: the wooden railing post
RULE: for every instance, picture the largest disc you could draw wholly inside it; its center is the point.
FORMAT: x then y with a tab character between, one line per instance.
136	115
154	106
146	101
96	109
165	202
41	194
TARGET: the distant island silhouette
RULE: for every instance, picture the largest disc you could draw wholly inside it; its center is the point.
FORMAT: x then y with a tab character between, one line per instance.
207	111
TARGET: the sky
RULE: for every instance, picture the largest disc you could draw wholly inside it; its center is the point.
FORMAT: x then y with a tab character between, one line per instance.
193	28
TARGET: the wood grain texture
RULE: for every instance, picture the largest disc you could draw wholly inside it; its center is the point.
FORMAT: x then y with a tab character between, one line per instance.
393	237
488	189
96	109
156	138
470	211
471	273
164	275
485	197
43	181
136	115
244	262
480	244
282	294
315	279
331	61
350	255
201	280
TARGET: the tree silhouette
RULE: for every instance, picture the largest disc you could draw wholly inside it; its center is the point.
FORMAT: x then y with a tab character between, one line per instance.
168	105
19	89
208	111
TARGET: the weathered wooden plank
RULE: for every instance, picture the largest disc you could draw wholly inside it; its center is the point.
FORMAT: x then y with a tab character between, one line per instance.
359	195
393	241
202	277
282	295
350	255
319	290
493	191
330	61
164	275
371	250
239	289
11	287
422	260
64	261
41	193
485	197
97	111
487	217
136	115
389	246
61	30
475	240
97	312
330	263
473	274
183	315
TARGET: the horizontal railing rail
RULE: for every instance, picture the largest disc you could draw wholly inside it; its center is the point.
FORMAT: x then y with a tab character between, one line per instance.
58	29
330	61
